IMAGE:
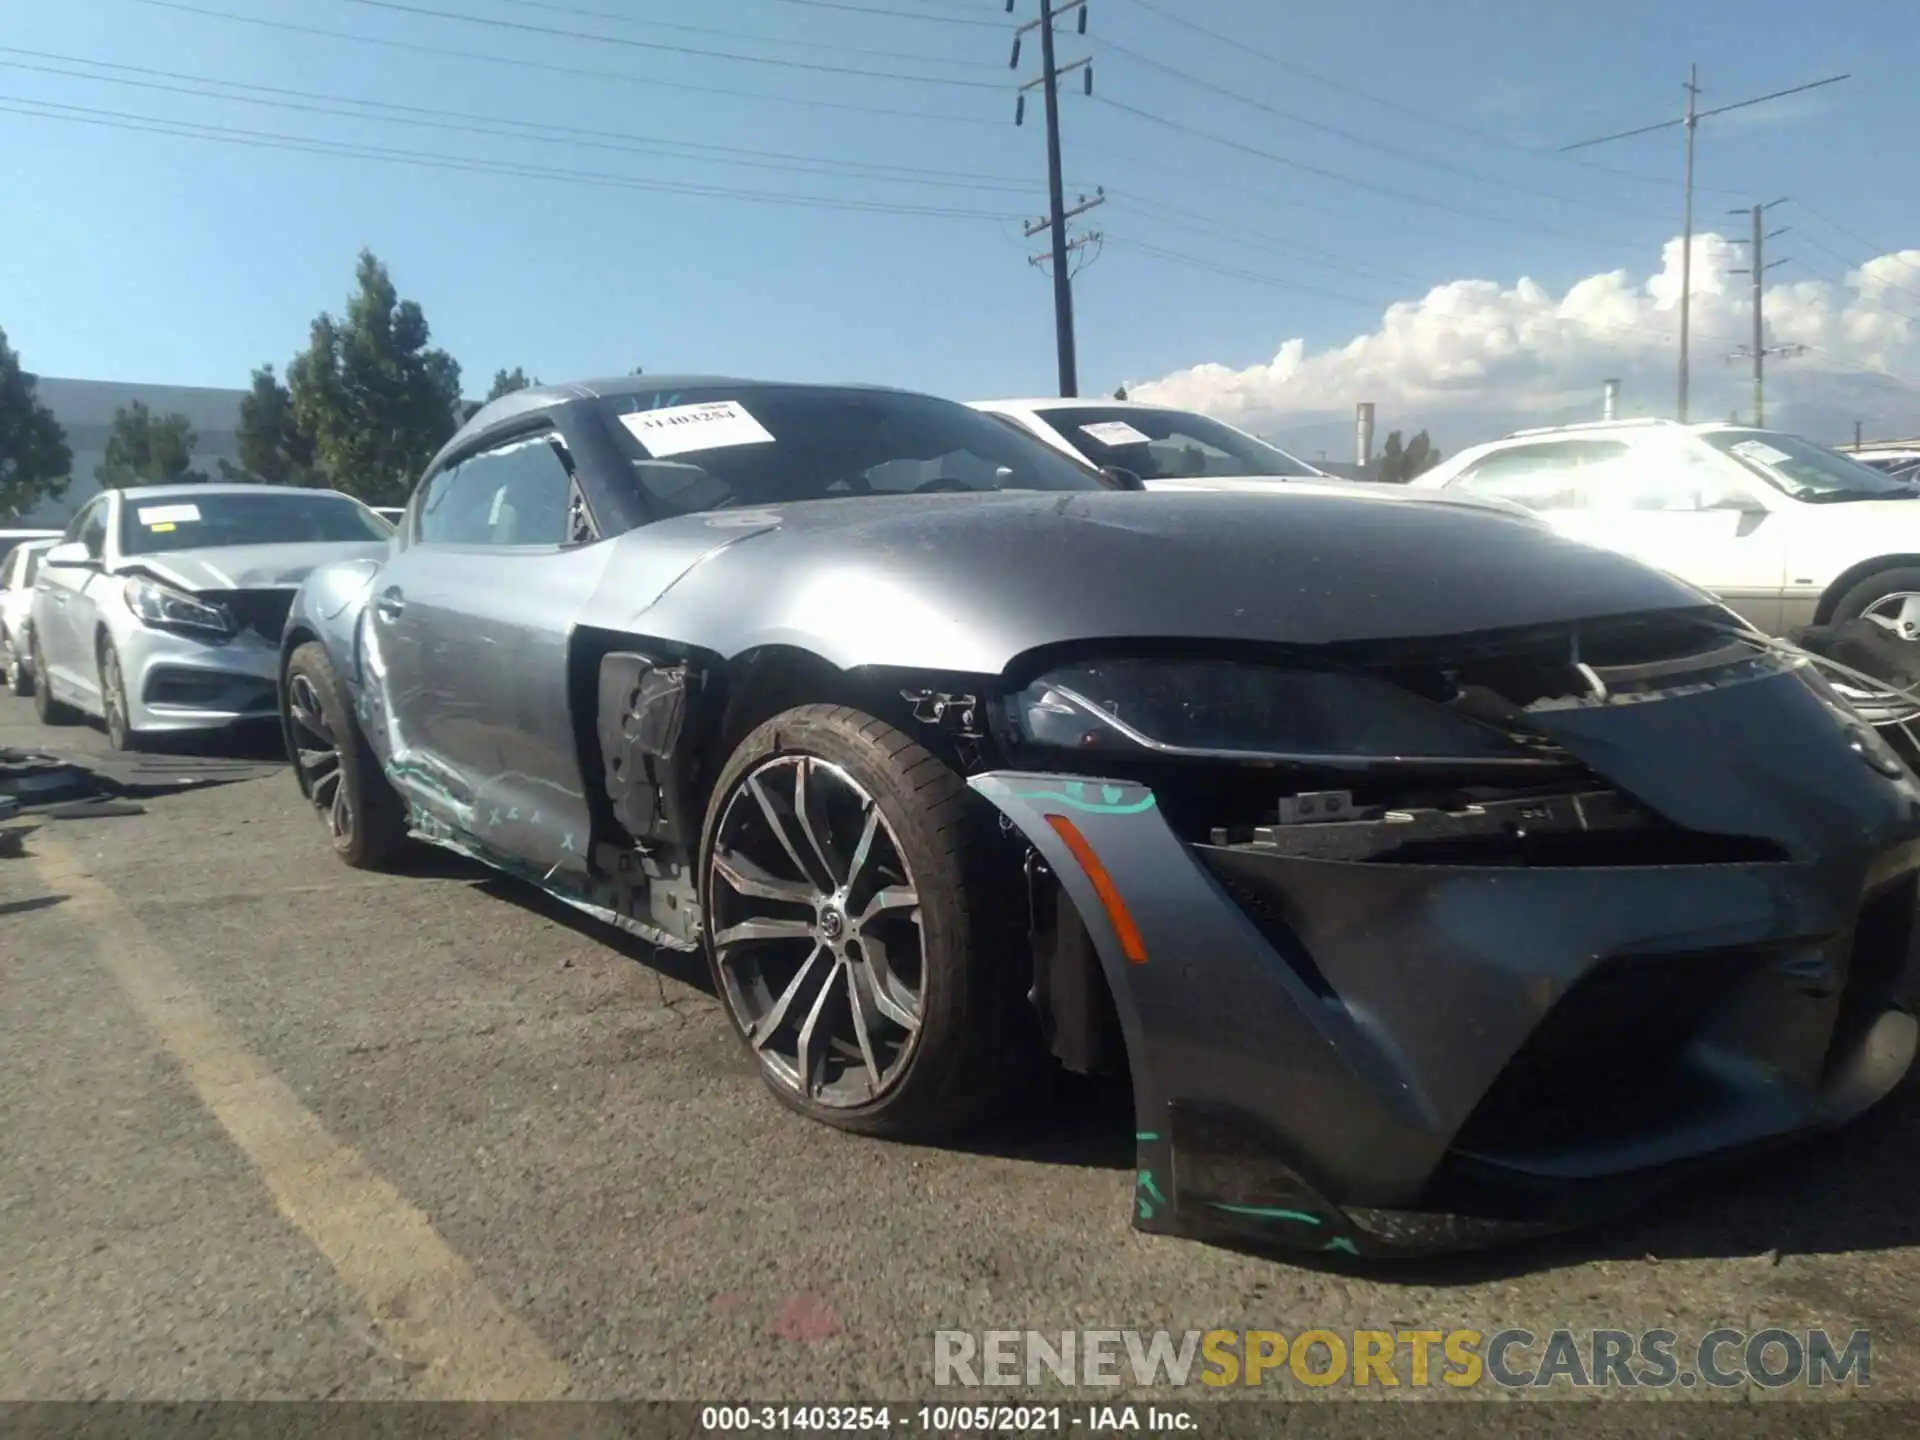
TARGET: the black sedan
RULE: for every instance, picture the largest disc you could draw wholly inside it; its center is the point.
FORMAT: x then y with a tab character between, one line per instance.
1434	879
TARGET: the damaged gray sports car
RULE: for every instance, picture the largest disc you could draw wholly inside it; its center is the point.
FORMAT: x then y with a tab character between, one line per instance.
1434	880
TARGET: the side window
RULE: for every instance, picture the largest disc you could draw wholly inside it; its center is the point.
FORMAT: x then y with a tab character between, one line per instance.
519	493
1561	475
1657	479
93	529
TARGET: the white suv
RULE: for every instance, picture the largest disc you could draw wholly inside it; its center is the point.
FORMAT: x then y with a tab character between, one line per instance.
1783	531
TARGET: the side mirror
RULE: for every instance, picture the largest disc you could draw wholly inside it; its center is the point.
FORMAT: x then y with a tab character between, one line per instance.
1121	478
1738	503
71	553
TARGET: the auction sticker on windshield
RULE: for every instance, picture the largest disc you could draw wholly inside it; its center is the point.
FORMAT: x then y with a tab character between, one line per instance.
1116	432
1761	451
683	429
154	516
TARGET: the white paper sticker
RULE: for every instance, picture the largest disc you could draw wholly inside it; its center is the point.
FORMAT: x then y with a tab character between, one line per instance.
1761	451
1116	432
685	429
168	514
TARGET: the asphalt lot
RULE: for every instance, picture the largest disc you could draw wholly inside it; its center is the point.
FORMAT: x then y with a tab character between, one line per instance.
275	1129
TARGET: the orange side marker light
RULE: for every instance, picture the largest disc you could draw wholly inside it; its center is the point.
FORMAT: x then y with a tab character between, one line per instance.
1131	945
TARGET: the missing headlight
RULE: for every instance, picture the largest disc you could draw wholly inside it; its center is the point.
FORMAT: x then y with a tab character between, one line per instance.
1233	710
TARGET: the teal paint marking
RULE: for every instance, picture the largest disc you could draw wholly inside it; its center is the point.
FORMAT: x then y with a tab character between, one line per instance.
1149	1197
1109	803
1268	1212
1341	1243
1146	1135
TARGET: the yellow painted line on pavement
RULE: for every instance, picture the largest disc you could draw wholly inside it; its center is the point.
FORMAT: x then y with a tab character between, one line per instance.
433	1311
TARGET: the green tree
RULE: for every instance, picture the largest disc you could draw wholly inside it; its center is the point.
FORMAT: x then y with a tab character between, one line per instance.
505	382
1398	464
35	463
376	400
148	449
1120	392
273	445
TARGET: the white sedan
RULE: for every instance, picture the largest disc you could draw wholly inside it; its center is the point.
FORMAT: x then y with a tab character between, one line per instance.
160	610
1784	531
17	573
1168	449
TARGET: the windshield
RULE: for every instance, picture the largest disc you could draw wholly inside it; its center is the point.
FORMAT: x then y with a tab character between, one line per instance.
714	448
228	517
1804	470
1169	444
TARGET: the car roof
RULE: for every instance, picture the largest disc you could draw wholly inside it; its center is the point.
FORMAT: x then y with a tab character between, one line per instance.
1070	402
189	490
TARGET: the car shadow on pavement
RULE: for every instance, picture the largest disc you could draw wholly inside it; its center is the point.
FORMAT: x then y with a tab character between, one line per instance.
687	968
1846	1192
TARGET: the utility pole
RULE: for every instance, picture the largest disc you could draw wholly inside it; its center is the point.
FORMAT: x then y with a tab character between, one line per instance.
1758	349
1691	121
1057	212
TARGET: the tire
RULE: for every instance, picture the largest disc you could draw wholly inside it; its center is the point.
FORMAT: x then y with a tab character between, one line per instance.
52	711
975	1039
1876	587
121	734
19	672
365	818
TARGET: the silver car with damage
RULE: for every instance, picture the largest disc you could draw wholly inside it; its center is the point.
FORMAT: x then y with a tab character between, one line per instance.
160	609
1434	878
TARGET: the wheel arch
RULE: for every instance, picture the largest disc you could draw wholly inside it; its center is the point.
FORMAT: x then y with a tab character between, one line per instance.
1852	576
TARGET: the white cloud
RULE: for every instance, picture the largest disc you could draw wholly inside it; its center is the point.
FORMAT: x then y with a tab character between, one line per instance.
1472	356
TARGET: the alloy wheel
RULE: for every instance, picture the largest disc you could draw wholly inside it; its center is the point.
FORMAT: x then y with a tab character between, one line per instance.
1898	612
113	698
815	922
317	752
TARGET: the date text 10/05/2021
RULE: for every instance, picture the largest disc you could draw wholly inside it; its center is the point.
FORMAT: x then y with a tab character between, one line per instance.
948	1419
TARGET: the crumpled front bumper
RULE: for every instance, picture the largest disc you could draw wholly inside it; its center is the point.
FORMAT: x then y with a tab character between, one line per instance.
1377	1057
182	683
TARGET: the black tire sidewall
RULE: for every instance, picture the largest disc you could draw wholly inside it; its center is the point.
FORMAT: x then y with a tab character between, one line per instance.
1870	588
376	831
878	758
129	738
46	705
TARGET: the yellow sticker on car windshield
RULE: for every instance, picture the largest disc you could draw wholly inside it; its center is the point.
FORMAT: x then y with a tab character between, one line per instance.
162	527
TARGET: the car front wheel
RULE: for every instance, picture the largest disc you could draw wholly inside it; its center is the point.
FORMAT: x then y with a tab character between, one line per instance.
51	711
18	676
113	701
338	769
863	954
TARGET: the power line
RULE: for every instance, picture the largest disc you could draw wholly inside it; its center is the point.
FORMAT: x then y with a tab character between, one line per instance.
1878	251
1425	117
398	7
1364	142
517	62
269	140
1404	197
615	17
1690	120
442	119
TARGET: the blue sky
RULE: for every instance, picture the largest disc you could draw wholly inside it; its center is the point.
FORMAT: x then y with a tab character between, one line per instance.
132	253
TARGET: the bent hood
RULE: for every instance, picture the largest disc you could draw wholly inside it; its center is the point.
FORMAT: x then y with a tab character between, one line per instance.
969	583
246	567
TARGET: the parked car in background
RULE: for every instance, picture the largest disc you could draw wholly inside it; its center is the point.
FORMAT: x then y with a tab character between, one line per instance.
1890	459
1785	531
1166	448
11	538
1303	809
160	609
17	574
